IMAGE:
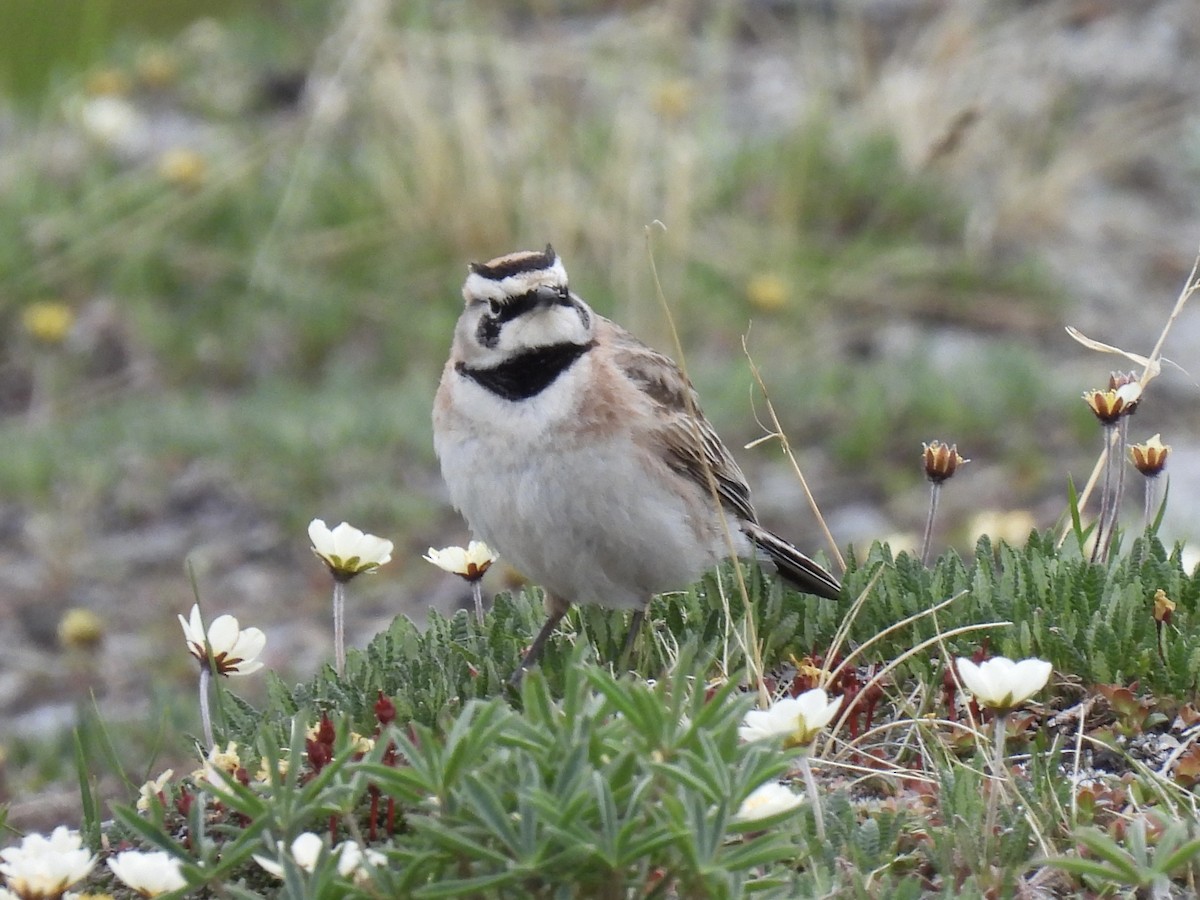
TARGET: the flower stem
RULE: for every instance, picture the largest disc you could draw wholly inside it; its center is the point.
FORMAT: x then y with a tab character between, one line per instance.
477	595
1119	462
1105	499
810	785
934	488
205	717
998	775
339	626
1149	505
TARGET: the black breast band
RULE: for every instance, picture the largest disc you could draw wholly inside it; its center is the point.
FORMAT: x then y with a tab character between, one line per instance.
527	374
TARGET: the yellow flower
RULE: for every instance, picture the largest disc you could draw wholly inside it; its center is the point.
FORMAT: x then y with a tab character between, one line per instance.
108	82
218	760
80	628
672	99
470	564
149	791
941	460
767	292
1164	606
183	168
1150	457
156	67
264	774
48	321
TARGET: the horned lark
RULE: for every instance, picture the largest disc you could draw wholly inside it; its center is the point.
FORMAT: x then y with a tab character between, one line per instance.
581	455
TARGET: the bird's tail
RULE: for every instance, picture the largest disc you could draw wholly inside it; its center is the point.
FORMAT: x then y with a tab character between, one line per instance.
792	564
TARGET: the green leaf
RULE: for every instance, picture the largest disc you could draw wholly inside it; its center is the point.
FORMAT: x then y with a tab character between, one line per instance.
1089	868
466	887
1179	857
453	838
90	831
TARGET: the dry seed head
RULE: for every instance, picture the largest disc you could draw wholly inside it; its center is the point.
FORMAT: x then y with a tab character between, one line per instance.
1128	386
1163	607
941	460
1151	457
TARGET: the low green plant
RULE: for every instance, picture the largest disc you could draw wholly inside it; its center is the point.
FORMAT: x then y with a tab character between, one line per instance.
1155	853
591	783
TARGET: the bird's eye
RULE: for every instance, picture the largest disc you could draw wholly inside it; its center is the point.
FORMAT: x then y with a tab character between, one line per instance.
494	306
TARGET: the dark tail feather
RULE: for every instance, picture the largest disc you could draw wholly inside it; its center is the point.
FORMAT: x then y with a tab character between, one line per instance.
792	564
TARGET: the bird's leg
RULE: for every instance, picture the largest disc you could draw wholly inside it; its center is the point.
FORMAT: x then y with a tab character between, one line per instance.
556	608
635	626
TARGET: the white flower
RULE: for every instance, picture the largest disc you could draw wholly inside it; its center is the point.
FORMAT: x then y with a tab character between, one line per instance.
45	867
469	564
350	860
111	121
1000	684
346	550
150	874
234	649
767	800
149	791
306	851
799	719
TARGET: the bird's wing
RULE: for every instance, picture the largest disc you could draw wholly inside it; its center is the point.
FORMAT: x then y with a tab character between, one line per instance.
690	444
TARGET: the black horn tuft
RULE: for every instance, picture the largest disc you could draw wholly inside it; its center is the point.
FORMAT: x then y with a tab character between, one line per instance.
515	263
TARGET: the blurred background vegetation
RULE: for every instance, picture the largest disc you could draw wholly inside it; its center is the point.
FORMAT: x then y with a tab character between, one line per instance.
233	237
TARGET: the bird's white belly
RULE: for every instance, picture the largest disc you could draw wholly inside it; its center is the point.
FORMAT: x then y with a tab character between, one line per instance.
594	522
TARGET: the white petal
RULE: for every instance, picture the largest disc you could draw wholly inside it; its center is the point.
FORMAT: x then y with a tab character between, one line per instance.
193	626
150	874
1000	683
1029	677
269	865
756	726
346	540
306	848
376	549
318	533
249	644
223	634
480	554
349	856
817	709
450	559
973	680
767	800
